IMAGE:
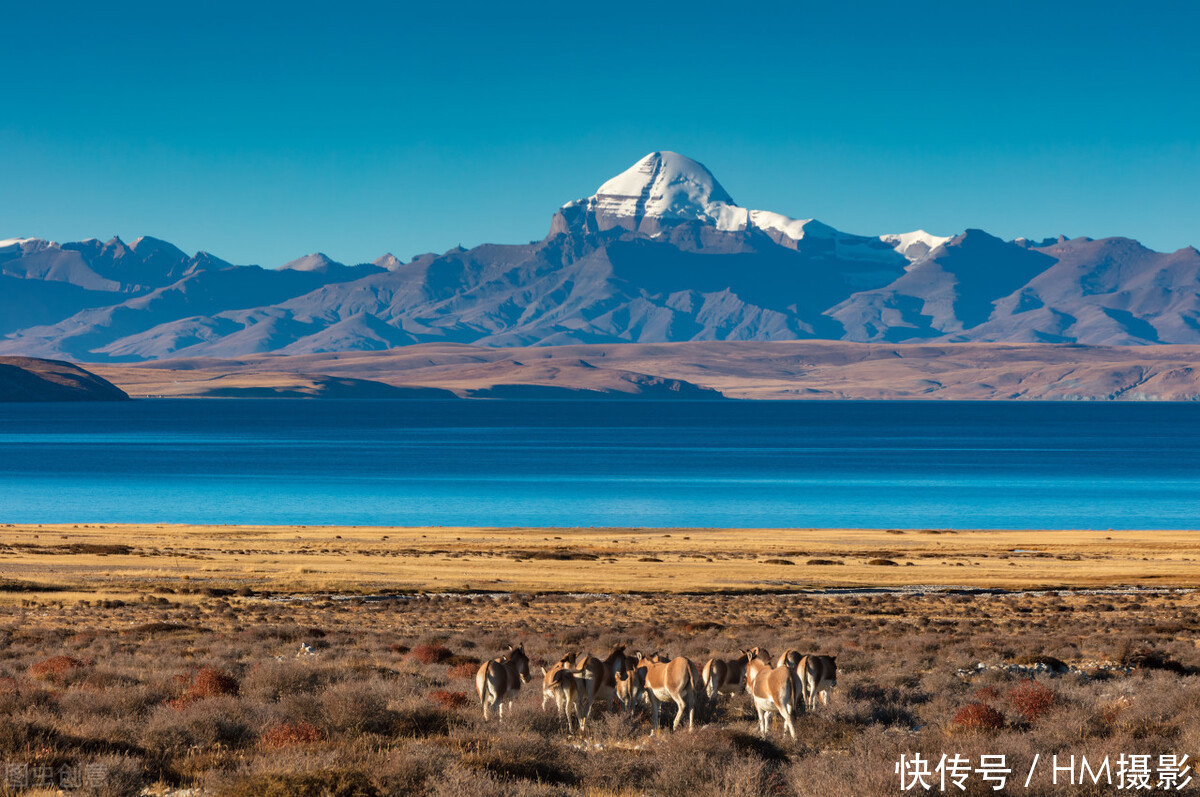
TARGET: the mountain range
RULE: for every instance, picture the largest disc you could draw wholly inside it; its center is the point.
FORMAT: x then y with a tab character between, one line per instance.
660	253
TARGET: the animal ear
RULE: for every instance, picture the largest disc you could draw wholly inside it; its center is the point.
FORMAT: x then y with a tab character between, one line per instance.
543	669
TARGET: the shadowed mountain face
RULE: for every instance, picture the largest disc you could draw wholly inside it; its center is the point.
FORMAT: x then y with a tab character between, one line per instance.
29	379
660	253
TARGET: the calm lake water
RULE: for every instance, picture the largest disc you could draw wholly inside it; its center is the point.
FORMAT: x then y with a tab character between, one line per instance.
752	464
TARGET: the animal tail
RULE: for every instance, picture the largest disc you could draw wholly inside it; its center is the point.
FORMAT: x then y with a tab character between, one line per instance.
708	678
808	681
481	683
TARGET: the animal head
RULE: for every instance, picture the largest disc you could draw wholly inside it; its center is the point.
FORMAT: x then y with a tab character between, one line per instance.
520	661
630	686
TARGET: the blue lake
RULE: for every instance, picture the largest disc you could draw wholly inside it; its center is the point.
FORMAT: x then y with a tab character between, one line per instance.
610	463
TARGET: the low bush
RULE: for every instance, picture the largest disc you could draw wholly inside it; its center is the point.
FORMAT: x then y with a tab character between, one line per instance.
1031	700
430	654
978	717
464	670
56	669
287	734
449	699
206	682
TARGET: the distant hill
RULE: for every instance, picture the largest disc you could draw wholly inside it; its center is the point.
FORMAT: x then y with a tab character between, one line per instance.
660	253
29	379
695	370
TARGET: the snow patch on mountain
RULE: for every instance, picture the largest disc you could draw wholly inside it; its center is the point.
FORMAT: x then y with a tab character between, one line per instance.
914	245
7	242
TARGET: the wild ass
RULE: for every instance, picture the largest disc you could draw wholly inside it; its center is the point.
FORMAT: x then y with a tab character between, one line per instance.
818	674
549	690
499	680
724	676
773	690
677	680
567	689
599	677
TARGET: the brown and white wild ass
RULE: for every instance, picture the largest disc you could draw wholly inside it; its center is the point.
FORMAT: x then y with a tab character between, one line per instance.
549	689
773	690
499	681
724	676
567	689
818	674
677	681
598	677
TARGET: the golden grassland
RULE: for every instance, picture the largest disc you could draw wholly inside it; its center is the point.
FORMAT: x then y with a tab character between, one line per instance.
188	660
90	558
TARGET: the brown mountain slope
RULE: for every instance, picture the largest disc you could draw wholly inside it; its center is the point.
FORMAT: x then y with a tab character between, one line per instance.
30	379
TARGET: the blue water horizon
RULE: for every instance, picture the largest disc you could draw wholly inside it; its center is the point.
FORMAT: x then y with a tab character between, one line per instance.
751	464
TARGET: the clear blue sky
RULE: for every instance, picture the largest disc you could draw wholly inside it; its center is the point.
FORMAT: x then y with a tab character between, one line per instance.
261	134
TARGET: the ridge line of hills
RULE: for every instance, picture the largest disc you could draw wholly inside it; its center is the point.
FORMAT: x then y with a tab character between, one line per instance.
661	253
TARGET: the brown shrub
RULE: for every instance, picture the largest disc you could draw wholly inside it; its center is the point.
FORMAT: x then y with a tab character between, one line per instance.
291	733
778	562
430	654
355	707
978	717
206	682
1031	700
463	670
823	562
56	668
449	699
220	720
883	562
987	693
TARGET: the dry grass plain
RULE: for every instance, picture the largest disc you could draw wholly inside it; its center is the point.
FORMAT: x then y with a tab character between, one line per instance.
294	559
165	657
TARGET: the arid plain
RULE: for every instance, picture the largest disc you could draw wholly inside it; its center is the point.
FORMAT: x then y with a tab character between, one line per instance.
340	661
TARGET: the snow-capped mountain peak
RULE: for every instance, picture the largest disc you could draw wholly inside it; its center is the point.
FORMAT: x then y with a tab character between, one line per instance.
664	184
664	189
914	245
317	261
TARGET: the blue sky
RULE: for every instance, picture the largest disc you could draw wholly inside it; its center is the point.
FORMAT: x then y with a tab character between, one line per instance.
261	133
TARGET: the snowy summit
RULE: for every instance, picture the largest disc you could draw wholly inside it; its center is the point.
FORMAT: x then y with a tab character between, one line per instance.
665	188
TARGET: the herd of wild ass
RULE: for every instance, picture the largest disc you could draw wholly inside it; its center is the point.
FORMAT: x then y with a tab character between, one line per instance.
576	682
